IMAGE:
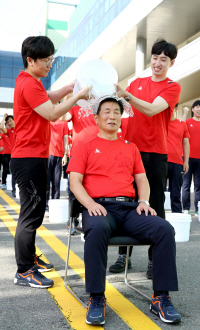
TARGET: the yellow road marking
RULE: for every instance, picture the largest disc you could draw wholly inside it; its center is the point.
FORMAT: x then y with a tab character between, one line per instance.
128	312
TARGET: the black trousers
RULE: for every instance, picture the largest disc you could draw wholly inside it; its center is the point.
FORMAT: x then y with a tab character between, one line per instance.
1	162
194	169
6	167
54	176
31	176
122	216
156	170
175	183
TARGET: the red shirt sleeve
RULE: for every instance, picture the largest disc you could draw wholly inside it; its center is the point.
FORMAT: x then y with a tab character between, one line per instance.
35	88
171	94
78	161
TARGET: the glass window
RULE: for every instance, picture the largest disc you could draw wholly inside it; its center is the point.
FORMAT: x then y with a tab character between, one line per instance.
7	61
6	72
6	82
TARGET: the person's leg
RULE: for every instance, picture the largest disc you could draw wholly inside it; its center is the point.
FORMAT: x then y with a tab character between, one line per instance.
196	184
49	179
156	170
158	232
97	230
176	181
31	177
6	170
187	179
56	177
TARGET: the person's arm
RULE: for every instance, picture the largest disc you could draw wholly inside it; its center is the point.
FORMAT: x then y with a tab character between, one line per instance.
52	112
143	194
66	117
81	194
148	109
56	96
65	143
185	113
186	152
2	125
1	149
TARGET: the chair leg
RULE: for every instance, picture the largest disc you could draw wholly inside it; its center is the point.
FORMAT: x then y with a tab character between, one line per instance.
126	274
66	267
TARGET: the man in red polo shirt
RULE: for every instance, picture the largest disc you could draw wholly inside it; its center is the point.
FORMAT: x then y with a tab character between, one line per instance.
57	158
153	100
193	125
8	126
177	145
102	171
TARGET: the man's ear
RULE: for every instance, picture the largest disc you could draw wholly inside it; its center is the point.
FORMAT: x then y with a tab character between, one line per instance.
29	60
96	119
172	63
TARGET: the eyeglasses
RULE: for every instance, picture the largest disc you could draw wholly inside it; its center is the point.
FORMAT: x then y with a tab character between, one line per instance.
48	62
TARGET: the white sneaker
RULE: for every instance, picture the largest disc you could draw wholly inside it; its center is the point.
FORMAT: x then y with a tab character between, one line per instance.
186	212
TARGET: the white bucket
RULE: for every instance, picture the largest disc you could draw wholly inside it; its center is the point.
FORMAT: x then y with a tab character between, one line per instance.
181	223
167	205
17	191
58	210
63	184
199	209
9	182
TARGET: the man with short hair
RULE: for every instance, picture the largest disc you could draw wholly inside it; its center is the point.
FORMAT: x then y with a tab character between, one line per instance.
102	170
177	167
34	108
193	125
153	100
8	126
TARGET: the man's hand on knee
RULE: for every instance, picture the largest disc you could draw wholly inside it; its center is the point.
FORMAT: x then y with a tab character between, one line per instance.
96	209
147	209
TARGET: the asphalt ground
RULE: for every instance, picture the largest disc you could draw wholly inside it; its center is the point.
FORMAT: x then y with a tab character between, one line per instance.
28	308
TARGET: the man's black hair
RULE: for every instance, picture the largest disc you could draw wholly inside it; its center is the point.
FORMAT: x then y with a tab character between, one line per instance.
9	116
36	47
111	99
176	105
161	45
196	104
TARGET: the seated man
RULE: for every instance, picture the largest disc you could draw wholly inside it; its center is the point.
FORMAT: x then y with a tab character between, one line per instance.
102	170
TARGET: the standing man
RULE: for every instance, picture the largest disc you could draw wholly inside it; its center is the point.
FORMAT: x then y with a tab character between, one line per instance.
153	100
102	170
8	126
177	145
193	125
34	108
57	158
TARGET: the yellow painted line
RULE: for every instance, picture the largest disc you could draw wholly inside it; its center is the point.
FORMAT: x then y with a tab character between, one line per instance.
128	312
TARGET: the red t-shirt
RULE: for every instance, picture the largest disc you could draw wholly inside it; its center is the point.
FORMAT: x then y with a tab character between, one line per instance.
32	131
58	130
194	130
108	166
80	120
11	135
177	131
90	130
1	145
7	145
150	133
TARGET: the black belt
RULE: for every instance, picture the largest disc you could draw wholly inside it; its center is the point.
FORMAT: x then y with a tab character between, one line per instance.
118	199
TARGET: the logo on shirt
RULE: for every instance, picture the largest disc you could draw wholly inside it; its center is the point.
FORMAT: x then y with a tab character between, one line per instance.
140	88
191	125
97	151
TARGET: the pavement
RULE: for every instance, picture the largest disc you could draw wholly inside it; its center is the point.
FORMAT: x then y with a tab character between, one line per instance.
30	308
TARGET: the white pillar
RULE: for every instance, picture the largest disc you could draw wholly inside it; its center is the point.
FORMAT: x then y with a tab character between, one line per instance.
140	60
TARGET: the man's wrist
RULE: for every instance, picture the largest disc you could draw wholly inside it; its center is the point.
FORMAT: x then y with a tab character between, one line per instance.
144	201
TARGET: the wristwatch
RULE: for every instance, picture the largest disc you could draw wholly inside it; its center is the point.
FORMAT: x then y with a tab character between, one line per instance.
146	202
127	99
